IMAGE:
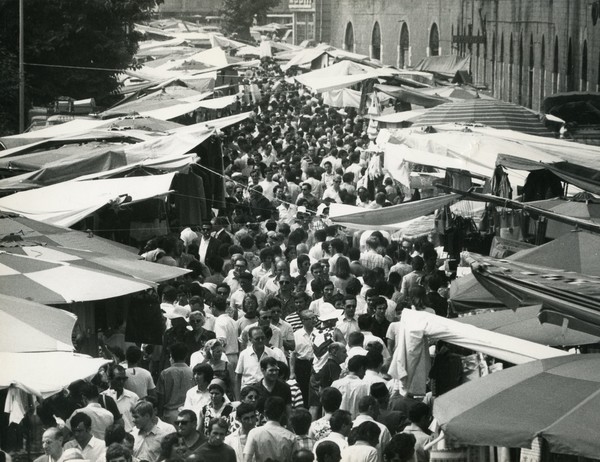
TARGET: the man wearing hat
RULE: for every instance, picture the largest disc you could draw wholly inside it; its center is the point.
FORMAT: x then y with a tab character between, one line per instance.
321	340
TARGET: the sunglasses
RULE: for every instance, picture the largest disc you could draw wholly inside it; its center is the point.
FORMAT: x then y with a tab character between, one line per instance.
182	422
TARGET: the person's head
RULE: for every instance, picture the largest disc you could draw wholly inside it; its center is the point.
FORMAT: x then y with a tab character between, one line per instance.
364	322
245	413
275	408
264	317
337	352
117	377
172	448
219	305
328	451
417	295
401	448
380	392
316	269
266	257
203	374
250	306
368	405
206	229
81	426
418	263
307	318
245	280
374	360
223	290
186	423
302	455
115	433
142	414
380	305
216	389
331	399
217	432
356	339
357	365
240	266
303	262
257	337
197	320
341	422
300	421
350	306
52	441
420	415
285	283
249	395
369	432
328	290
133	355
117	452
269	369
274	305
178	352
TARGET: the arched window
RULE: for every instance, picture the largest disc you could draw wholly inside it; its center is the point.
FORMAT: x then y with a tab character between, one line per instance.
570	68
530	74
349	38
543	70
376	42
404	50
584	67
555	68
434	41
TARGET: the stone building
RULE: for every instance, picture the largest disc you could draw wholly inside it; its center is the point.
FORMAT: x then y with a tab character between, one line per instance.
521	50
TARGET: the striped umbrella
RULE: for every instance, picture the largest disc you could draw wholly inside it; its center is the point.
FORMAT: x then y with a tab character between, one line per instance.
492	113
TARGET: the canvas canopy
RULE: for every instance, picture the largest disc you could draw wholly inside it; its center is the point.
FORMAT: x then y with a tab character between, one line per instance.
388	217
64	204
417	329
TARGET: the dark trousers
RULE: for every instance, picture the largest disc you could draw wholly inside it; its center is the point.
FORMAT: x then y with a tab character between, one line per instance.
302	370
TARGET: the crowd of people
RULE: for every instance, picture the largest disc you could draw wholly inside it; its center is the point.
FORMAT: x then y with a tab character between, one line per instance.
276	345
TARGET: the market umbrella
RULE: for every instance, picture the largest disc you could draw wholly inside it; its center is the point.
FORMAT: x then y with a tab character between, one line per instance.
493	113
31	327
59	282
568	298
577	251
25	236
587	210
557	399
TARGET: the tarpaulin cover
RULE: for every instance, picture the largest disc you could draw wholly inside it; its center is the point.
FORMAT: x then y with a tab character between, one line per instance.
412	96
566	296
347	97
523	323
64	204
446	65
418	329
387	217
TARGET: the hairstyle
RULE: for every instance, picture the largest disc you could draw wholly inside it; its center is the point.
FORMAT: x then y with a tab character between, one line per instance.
356	339
242	409
284	370
340	418
300	421
247	390
133	354
274	408
252	330
331	399
89	391
418	263
374	359
178	351
272	302
220	422
366	402
220	303
401	445
326	448
81	417
267	362
356	363
368	431
418	411
166	446
189	413
117	450
114	433
143	407
364	322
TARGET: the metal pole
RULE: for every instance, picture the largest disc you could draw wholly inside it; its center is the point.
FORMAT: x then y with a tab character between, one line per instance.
21	71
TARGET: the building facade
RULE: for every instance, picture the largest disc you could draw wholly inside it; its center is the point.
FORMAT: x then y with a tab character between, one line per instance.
521	50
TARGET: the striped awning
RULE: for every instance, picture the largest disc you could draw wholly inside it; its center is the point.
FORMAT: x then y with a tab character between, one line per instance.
492	113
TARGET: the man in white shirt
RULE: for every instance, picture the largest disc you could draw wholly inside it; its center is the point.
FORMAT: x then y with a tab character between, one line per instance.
198	396
124	398
341	424
100	417
92	448
352	386
248	367
368	409
225	329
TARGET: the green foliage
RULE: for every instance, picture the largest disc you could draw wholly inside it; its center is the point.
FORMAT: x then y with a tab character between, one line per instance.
238	15
70	33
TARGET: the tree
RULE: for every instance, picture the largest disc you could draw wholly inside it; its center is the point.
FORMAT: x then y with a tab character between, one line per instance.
238	15
73	48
